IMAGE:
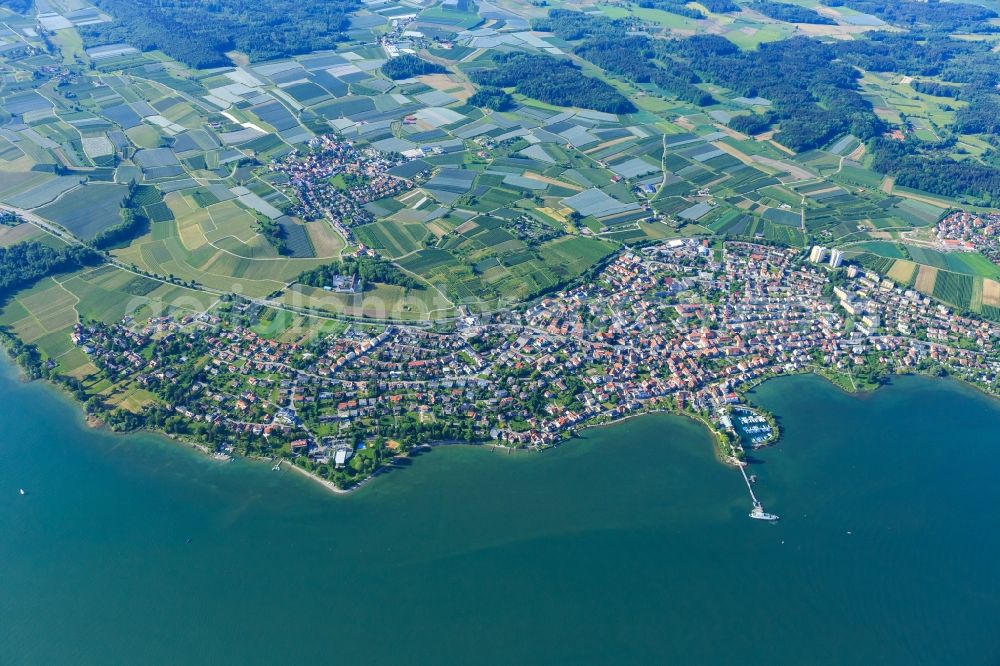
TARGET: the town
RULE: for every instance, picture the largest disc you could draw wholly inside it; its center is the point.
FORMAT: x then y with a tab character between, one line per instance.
681	326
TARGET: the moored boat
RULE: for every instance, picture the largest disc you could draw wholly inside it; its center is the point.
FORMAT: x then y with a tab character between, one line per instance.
758	513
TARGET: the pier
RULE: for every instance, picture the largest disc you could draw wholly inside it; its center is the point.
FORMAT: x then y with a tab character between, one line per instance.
757	513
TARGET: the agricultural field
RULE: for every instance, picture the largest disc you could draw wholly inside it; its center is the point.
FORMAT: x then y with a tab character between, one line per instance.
19	234
902	272
969	263
381	302
87	210
964	280
45	314
500	205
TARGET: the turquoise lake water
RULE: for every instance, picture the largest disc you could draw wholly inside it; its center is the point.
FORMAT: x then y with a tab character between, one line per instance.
630	545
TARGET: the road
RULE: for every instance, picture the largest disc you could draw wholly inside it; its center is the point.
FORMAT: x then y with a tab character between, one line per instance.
70	239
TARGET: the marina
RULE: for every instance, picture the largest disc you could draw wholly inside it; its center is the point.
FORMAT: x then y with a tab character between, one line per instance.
753	428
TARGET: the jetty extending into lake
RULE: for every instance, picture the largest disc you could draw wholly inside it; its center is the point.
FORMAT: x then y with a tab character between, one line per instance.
757	513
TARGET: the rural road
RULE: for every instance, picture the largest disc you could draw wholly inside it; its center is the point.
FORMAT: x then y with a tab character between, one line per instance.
69	238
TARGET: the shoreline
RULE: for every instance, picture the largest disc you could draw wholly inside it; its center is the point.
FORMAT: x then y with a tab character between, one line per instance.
329	485
713	432
94	423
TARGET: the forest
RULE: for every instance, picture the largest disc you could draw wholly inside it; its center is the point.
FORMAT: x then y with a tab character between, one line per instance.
981	116
200	32
943	16
23	264
927	166
572	25
408	66
936	89
753	123
367	269
720	6
552	81
611	46
812	94
781	11
678	7
633	57
969	71
920	54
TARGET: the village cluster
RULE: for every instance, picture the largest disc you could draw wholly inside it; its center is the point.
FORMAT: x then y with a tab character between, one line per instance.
680	326
334	180
970	231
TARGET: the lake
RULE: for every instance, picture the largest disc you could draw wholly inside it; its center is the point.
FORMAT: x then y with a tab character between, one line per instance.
630	544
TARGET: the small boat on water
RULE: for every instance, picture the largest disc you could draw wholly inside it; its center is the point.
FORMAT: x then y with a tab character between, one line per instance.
21	491
758	513
277	467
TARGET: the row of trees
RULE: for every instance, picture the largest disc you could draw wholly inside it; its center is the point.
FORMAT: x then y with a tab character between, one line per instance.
133	219
133	223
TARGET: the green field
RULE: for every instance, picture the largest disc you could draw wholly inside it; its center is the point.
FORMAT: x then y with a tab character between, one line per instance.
201	144
87	210
394	238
